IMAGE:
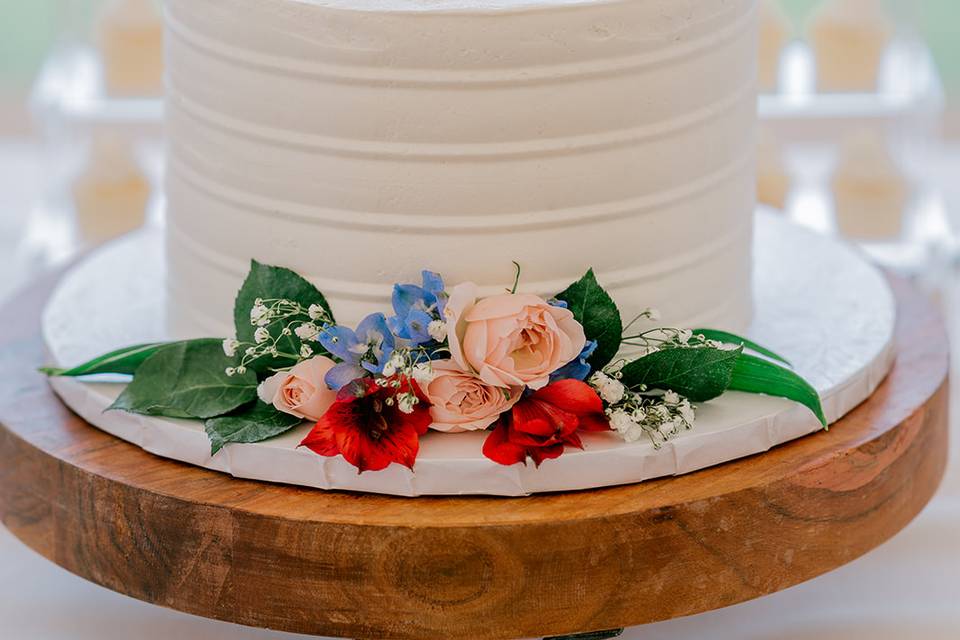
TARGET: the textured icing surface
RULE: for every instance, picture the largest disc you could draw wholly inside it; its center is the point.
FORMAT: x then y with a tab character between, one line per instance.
842	343
360	146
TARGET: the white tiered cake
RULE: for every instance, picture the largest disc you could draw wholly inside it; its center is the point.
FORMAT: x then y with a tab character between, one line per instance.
359	141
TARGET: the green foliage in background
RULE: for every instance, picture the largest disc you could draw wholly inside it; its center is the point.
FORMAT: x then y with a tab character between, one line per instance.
27	29
30	28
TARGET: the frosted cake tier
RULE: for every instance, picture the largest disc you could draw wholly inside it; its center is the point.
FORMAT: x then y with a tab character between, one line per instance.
361	142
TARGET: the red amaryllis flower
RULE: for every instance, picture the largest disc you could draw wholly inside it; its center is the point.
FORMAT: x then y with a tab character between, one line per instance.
367	426
543	423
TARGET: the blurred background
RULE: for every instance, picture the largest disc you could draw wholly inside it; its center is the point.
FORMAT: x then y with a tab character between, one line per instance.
860	137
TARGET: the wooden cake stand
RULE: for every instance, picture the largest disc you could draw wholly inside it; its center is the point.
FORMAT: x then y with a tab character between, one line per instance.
365	566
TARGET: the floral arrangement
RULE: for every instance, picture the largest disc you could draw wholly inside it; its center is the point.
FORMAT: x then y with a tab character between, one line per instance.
534	374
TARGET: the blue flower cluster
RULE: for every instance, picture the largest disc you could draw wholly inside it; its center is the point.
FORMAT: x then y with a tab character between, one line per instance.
416	307
363	351
578	369
368	349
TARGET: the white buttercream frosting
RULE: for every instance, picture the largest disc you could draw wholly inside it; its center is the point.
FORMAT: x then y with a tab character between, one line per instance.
360	142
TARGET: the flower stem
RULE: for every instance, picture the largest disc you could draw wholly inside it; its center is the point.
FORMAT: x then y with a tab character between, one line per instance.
516	280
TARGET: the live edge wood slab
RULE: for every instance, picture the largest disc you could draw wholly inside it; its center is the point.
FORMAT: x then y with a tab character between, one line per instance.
363	566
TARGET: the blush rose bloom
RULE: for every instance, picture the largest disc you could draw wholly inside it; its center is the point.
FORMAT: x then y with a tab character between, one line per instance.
301	391
511	339
460	401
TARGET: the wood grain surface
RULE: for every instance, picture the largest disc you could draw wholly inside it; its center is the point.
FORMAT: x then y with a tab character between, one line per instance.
475	568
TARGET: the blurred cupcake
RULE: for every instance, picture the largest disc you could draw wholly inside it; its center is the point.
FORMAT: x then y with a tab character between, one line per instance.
870	192
131	46
111	195
774	33
773	182
849	38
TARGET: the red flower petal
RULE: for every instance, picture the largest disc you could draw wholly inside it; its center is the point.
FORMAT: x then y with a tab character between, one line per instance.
497	447
398	444
359	388
546	453
322	440
533	418
541	425
366	426
594	422
573	440
566	421
571	395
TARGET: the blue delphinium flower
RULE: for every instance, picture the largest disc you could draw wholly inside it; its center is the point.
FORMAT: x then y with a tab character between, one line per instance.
578	369
417	308
363	351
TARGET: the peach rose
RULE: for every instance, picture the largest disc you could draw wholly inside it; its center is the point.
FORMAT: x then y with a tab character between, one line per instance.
511	339
460	401
301	391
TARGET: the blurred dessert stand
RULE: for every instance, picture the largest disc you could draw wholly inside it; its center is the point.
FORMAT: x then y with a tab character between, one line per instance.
101	152
828	148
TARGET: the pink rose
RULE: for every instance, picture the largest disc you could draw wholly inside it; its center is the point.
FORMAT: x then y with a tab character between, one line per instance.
511	339
301	391
460	401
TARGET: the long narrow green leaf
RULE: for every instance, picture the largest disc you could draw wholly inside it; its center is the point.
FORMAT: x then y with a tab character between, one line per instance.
732	338
756	375
123	361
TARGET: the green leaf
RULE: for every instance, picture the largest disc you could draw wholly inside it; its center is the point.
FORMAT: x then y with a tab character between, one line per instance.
268	282
187	380
593	307
699	374
732	338
123	361
756	375
249	424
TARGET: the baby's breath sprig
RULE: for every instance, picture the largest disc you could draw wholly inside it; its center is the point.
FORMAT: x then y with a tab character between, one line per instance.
406	364
669	338
635	413
647	314
276	319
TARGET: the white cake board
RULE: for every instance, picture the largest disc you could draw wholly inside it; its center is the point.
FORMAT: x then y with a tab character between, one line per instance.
817	302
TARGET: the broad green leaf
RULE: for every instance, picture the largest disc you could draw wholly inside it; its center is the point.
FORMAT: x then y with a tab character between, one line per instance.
756	375
249	424
123	361
699	374
270	283
187	380
732	338
593	307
